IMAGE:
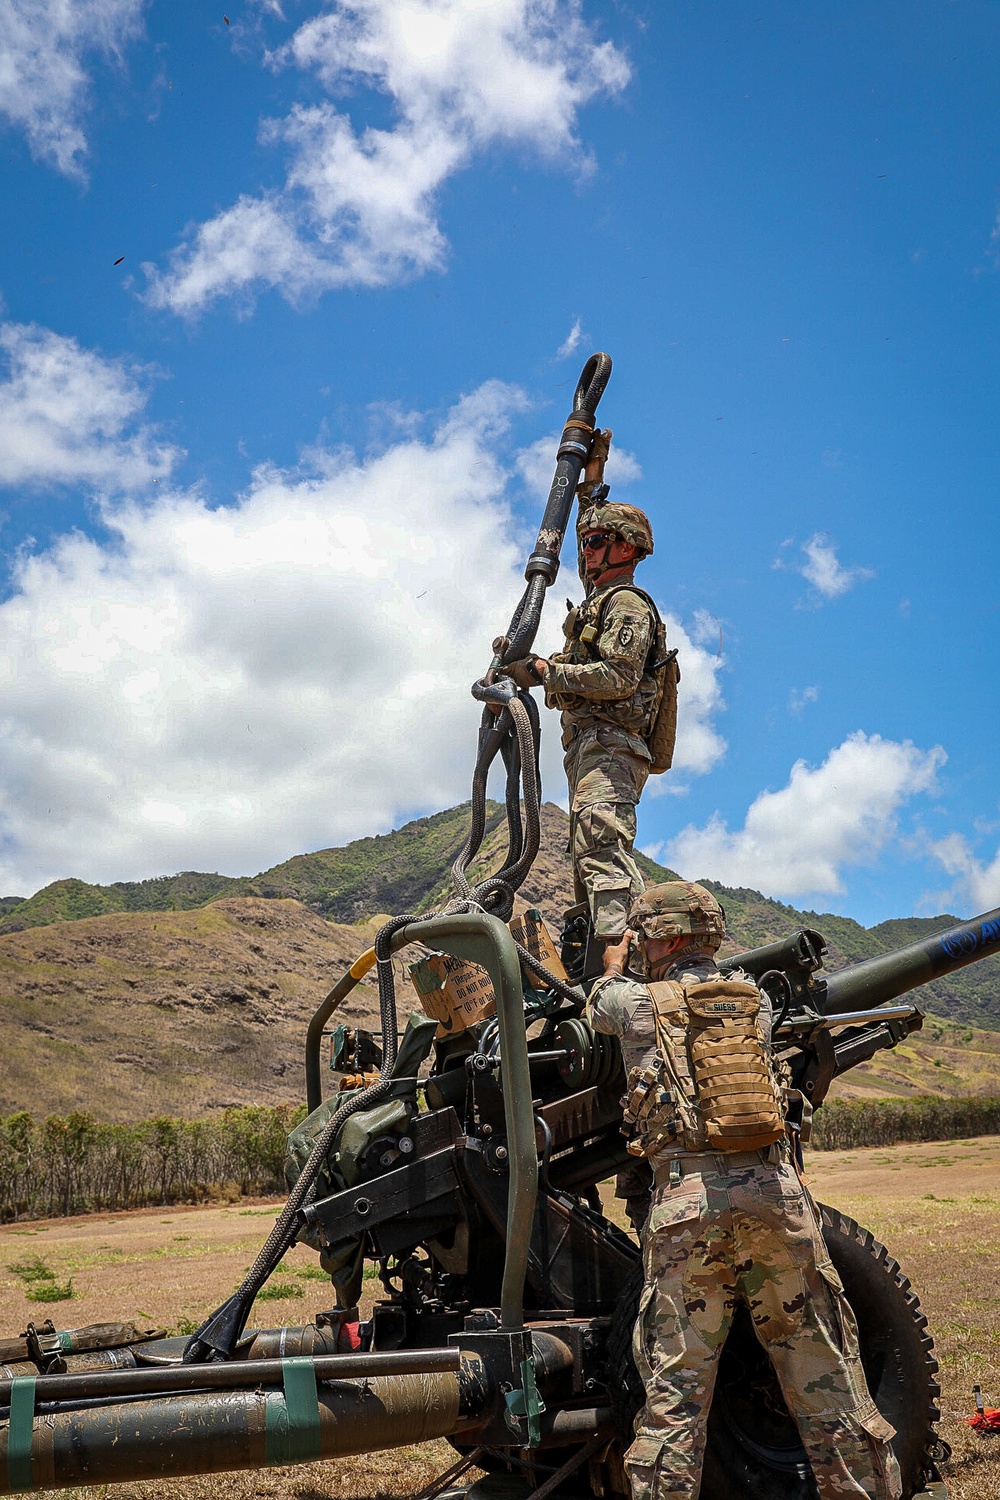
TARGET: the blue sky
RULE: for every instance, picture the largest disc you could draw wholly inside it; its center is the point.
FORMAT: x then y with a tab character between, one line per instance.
267	485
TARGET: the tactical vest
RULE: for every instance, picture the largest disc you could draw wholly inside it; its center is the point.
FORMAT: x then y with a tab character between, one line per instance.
651	711
712	1085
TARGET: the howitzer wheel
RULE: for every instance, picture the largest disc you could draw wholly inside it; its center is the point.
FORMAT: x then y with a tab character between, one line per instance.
753	1450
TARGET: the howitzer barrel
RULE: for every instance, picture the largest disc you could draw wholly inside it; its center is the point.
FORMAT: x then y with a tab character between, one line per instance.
212	1431
892	974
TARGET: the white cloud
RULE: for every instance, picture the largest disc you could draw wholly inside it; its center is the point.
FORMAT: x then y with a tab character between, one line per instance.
536	465
699	697
68	416
824	571
978	883
798	840
799	697
359	204
572	341
221	687
43	80
217	688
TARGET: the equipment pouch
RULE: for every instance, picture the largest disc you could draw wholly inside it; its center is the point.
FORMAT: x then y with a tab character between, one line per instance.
739	1098
649	1112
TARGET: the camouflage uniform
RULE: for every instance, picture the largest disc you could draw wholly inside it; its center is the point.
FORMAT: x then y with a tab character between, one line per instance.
606	697
729	1228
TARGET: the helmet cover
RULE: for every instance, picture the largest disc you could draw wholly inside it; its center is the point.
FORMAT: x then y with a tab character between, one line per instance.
626	521
677	908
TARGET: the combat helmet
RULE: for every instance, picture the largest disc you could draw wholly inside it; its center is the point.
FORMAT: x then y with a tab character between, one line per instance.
626	521
677	908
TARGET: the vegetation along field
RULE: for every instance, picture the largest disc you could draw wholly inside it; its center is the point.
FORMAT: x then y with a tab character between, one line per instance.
936	1205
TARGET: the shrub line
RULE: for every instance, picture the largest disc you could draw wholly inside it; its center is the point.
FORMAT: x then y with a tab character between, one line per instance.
844	1123
75	1164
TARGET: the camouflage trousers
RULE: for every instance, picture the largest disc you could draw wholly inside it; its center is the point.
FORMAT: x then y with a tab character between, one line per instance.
605	783
726	1234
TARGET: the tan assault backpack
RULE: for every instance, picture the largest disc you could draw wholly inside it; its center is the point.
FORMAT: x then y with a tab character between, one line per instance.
738	1096
712	1086
662	733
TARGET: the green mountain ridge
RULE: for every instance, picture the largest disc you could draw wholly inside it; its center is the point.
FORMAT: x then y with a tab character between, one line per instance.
408	870
396	871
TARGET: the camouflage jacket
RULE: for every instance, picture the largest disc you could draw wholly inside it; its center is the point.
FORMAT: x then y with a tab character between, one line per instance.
603	680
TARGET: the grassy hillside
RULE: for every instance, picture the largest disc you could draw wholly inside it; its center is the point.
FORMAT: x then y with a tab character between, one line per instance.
190	991
71	900
393	872
137	1014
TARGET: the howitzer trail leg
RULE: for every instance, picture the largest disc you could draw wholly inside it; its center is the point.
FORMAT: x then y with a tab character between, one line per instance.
239	1429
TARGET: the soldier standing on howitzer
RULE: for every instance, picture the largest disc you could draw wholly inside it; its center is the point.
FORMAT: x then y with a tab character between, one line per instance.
616	687
730	1219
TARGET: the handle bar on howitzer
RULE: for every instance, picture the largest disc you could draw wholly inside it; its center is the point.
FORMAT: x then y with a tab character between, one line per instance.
806	1022
543	564
483	940
804	1037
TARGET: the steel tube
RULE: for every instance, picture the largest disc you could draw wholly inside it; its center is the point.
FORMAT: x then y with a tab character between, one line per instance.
485	940
892	974
881	1013
232	1375
576	1424
215	1431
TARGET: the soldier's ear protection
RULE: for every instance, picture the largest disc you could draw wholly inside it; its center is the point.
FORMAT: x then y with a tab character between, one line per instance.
636	954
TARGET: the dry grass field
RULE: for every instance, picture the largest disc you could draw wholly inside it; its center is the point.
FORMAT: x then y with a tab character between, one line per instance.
937	1206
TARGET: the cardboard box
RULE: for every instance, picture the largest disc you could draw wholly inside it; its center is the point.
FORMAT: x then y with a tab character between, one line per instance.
531	932
455	993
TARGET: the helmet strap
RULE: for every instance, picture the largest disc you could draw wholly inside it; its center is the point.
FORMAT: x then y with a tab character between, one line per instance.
685	945
606	573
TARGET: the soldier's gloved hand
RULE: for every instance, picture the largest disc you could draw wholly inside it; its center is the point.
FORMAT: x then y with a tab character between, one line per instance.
527	673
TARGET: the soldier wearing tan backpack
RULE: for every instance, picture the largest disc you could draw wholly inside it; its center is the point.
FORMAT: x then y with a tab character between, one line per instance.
730	1220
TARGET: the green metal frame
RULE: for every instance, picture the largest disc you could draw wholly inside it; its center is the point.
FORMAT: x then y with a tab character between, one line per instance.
482	940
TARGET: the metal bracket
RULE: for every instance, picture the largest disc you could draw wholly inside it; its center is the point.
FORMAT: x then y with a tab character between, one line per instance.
525	1406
